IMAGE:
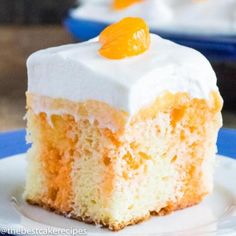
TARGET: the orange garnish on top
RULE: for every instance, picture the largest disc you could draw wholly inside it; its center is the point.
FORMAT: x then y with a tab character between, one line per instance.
128	37
121	4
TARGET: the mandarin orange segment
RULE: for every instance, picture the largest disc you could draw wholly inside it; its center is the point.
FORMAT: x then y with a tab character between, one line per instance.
121	4
128	37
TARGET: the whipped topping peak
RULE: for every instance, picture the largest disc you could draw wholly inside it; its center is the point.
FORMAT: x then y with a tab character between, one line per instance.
78	73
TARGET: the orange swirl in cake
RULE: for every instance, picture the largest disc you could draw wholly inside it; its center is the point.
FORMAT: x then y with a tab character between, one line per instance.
116	141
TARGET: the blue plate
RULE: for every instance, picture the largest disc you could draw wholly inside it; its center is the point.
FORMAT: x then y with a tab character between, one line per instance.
214	47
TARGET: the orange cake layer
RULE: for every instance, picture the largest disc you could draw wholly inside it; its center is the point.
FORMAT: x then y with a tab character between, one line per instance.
89	159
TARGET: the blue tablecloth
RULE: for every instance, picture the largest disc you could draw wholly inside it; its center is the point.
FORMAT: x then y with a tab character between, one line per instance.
13	142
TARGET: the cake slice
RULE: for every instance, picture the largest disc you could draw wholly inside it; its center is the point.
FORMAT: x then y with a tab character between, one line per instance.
122	127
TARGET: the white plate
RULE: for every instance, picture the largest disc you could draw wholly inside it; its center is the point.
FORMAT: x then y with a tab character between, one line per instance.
216	215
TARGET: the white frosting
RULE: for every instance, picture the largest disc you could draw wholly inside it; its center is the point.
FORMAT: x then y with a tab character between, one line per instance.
189	16
77	72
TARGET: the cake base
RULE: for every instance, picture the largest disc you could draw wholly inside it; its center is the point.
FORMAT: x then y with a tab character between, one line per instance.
95	164
165	211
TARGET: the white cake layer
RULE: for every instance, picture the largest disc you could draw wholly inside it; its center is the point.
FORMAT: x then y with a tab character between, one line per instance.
78	72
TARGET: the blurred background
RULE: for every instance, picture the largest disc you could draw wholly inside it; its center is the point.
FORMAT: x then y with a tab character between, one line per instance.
25	26
30	25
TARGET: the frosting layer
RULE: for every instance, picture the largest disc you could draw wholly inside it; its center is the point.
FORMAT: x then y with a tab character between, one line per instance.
78	73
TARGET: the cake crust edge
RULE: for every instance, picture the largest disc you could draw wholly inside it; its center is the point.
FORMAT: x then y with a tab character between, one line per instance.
117	227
